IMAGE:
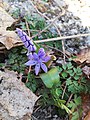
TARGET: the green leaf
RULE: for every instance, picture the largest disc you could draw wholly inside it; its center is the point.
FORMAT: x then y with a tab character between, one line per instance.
72	89
76	77
71	104
68	82
69	65
50	78
28	84
69	71
79	70
2	64
66	108
71	74
78	101
58	91
32	83
64	67
64	74
75	83
29	76
75	70
75	116
23	26
11	61
37	46
60	69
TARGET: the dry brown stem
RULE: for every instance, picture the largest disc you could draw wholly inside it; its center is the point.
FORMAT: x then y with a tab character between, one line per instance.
52	21
63	38
53	39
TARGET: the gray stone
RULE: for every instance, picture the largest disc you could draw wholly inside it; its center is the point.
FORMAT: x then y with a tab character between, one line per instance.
88	41
61	3
16	101
74	31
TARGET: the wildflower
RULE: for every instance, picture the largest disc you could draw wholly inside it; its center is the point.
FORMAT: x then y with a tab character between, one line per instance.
26	40
39	59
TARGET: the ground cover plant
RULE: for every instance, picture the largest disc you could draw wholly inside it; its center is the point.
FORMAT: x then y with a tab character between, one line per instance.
60	85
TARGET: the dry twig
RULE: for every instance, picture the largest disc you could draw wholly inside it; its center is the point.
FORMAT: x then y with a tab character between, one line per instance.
27	26
64	91
63	38
69	99
58	50
61	14
51	39
63	43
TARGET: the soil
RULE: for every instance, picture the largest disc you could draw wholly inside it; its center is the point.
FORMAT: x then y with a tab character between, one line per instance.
48	113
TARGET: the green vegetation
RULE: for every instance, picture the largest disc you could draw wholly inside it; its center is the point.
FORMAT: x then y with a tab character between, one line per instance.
57	86
16	59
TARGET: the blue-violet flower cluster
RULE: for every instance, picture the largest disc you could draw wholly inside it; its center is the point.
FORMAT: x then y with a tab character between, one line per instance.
37	59
26	40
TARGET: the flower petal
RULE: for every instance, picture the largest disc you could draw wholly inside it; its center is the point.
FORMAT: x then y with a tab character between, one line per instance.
23	38
41	52
35	56
46	58
28	39
27	44
44	67
37	68
20	32
30	49
31	63
29	55
34	48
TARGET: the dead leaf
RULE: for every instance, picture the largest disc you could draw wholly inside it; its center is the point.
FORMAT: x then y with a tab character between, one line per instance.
85	105
83	56
51	60
6	19
41	7
88	116
7	38
1	4
86	71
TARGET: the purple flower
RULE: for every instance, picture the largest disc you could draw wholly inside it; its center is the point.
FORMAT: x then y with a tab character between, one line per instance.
26	40
39	61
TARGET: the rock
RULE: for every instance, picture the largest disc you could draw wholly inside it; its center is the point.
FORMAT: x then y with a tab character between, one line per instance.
16	101
73	31
61	3
20	6
88	41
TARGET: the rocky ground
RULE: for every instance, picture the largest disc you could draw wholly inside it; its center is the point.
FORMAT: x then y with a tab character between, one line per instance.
16	101
47	113
71	23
